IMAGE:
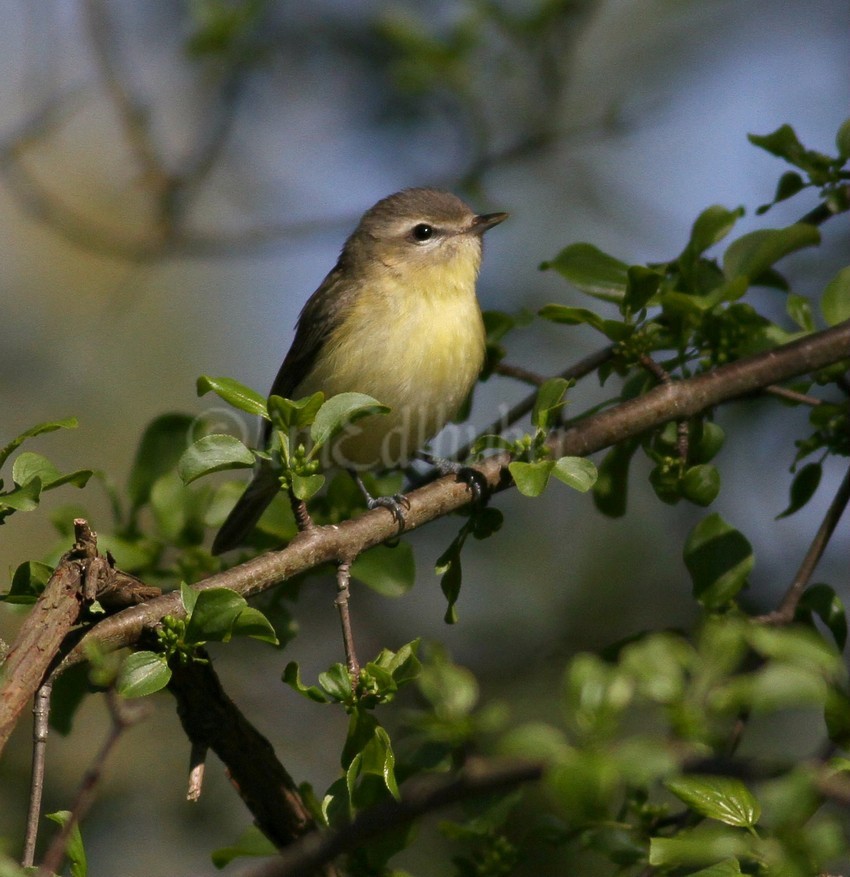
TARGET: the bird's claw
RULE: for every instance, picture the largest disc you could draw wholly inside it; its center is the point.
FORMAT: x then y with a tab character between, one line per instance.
395	504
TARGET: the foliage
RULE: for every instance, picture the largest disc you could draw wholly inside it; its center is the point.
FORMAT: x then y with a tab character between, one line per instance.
32	473
645	769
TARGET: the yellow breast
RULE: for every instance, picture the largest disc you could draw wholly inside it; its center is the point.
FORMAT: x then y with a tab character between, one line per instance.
415	344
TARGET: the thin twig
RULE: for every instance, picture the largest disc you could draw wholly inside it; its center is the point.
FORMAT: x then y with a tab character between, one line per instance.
578	370
123	716
793	396
41	714
508	370
343	580
788	607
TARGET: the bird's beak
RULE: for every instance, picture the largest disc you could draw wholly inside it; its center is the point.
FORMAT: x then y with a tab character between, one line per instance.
486	220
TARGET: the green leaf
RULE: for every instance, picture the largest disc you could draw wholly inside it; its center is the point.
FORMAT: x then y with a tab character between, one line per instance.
404	665
28	582
22	499
252	842
171	505
143	673
188	596
576	472
837	717
711	226
389	571
701	484
610	492
800	311
234	393
803	488
165	438
32	432
28	466
213	453
796	645
783	143
451	689
549	401
449	567
708	844
288	414
251	622
842	139
306	486
531	478
822	600
535	741
725	799
384	747
719	558
336	682
835	301
592	271
214	615
752	254
74	850
643	283
292	677
789	184
612	329
339	411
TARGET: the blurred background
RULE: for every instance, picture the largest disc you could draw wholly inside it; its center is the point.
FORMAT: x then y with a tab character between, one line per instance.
177	178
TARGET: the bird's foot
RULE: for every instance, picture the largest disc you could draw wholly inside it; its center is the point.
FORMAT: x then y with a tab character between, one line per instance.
395	504
471	477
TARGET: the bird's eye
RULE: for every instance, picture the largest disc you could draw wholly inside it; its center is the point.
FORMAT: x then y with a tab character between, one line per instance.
422	232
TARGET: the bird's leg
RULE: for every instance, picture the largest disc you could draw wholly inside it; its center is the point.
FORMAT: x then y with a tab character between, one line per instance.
396	504
473	479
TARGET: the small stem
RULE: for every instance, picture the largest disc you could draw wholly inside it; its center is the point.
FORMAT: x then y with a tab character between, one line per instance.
343	578
792	395
578	370
122	717
785	613
41	714
299	509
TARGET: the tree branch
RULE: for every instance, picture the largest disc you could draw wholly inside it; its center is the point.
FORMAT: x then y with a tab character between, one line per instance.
80	576
418	797
211	720
329	544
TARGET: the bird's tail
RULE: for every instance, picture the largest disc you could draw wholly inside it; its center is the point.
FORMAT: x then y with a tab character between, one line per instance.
247	511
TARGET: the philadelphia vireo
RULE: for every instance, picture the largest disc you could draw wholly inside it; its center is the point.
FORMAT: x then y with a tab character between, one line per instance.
397	319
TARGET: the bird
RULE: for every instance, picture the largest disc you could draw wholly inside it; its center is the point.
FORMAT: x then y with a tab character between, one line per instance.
397	319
